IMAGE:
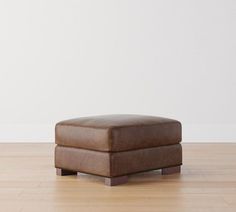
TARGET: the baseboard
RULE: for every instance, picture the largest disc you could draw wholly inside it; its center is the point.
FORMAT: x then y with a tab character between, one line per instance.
209	141
47	141
28	141
192	133
26	133
209	132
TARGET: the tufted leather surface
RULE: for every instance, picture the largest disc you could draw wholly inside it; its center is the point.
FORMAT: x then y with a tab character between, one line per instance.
115	133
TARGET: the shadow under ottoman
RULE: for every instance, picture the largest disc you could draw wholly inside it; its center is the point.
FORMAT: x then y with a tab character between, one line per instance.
115	146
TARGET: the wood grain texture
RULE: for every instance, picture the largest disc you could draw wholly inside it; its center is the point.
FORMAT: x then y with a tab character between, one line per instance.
207	183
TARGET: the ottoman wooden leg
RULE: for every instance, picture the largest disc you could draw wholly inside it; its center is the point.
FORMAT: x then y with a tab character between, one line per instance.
64	172
116	180
171	170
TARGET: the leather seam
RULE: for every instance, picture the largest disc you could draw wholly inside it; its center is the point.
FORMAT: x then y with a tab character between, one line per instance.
117	127
103	151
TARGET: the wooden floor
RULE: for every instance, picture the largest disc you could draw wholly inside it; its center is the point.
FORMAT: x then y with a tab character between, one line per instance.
207	183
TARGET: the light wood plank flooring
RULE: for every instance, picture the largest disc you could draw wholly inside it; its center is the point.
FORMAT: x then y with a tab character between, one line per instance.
207	183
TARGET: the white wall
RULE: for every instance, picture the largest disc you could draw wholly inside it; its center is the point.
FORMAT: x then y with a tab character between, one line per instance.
65	59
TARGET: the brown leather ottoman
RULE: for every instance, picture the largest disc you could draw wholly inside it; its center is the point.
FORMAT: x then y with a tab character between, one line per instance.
115	146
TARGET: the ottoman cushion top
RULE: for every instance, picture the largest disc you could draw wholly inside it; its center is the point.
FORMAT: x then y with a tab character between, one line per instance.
114	133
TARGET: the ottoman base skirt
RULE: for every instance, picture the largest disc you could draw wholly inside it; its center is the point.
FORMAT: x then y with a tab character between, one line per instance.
115	166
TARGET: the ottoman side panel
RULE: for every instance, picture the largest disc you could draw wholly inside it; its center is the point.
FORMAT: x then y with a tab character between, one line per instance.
129	162
82	160
146	136
82	137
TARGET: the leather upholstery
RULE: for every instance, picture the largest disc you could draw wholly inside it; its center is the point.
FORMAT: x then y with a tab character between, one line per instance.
112	164
115	133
